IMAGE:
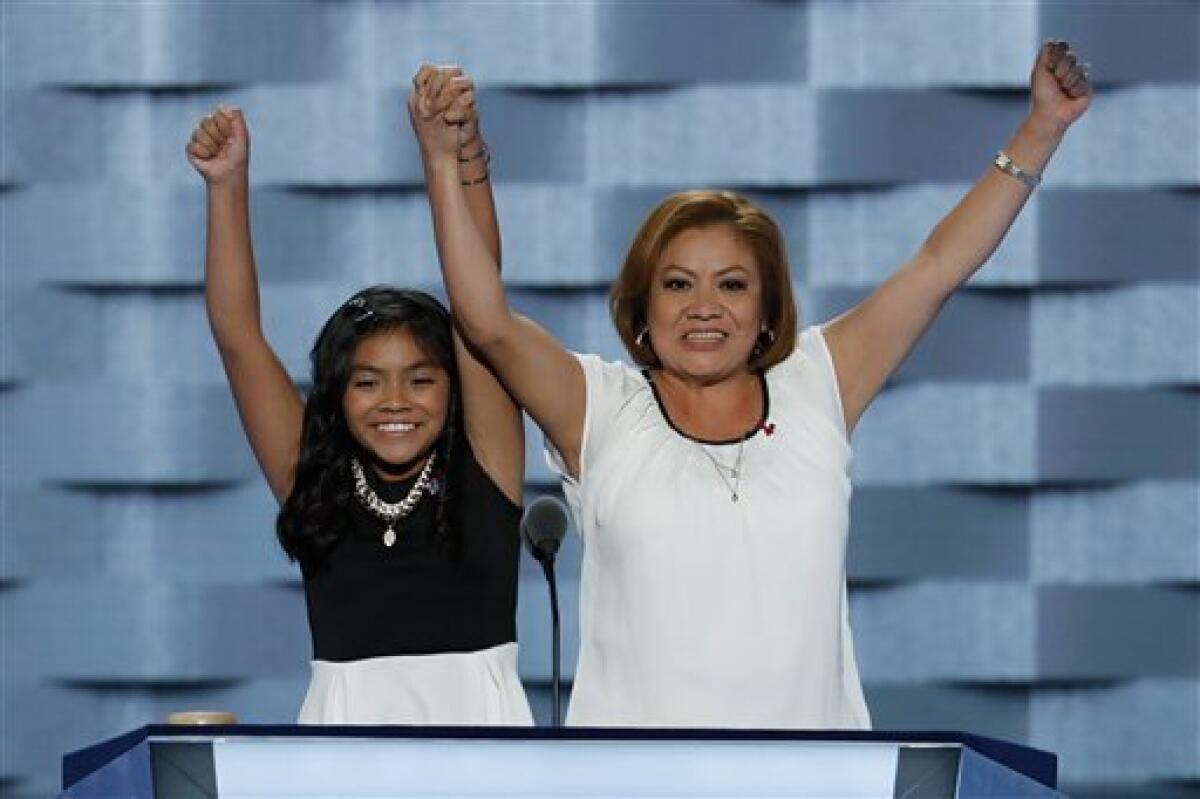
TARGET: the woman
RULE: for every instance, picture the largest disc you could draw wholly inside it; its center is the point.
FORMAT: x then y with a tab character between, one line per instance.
399	477
711	486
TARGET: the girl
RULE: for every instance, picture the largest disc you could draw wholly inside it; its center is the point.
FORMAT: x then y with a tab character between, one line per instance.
399	477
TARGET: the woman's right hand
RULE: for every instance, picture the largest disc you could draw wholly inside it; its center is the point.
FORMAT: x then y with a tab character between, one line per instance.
220	146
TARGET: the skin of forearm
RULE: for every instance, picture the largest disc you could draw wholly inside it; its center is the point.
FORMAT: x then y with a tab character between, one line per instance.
966	237
483	212
230	285
469	268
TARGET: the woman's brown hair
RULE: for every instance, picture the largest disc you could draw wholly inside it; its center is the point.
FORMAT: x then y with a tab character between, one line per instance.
630	294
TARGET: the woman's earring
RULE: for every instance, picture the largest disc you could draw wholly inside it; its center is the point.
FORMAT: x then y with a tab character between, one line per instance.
759	346
642	336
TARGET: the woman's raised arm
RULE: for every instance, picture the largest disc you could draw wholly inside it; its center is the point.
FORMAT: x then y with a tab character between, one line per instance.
267	401
545	379
493	421
870	341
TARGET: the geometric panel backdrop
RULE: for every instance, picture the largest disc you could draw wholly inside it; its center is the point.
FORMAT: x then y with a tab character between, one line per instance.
1025	554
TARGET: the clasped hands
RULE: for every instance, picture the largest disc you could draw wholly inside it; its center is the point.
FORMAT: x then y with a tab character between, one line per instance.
441	108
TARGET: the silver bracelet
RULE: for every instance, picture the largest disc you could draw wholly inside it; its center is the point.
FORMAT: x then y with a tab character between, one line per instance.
1006	165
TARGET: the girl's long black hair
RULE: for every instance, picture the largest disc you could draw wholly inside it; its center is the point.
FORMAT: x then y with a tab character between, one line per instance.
316	514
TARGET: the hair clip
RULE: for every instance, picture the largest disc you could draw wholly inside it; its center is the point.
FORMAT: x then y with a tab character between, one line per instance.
358	307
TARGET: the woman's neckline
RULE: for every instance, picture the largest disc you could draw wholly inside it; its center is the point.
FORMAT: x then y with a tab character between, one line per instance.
745	436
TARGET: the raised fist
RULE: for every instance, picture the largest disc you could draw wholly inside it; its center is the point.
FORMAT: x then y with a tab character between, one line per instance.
1060	85
219	148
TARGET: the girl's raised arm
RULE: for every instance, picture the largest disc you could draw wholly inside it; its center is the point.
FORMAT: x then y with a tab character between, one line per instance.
267	401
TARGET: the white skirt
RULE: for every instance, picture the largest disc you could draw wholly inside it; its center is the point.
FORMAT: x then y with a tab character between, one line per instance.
476	688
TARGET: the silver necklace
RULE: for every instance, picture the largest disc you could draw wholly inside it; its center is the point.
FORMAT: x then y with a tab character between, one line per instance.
734	481
390	512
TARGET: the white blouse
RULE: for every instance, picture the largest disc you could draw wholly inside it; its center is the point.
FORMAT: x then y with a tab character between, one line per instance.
697	611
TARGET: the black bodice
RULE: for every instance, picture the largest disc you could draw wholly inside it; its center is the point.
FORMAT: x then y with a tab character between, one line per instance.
368	600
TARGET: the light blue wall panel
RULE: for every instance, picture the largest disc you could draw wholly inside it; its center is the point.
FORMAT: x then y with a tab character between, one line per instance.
947	433
104	233
127	435
333	242
172	44
48	334
547	45
1122	733
868	43
1136	136
946	631
703	135
50	136
859	236
150	629
550	236
329	134
1135	533
580	320
1140	335
218	532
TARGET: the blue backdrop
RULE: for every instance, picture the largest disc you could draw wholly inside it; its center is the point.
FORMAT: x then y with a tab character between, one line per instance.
1025	556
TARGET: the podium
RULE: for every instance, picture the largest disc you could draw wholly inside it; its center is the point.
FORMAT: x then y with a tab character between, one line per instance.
243	761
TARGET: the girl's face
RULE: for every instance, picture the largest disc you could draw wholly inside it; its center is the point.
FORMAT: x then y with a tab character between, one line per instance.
396	400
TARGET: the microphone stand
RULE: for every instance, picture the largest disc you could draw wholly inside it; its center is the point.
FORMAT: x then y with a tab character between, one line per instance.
547	561
542	527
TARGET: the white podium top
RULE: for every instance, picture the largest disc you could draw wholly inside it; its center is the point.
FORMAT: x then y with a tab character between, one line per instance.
530	768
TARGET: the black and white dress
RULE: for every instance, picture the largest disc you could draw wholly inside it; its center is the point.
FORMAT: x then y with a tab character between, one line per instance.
403	635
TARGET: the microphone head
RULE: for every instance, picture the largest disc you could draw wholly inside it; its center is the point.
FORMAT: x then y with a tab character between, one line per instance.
543	526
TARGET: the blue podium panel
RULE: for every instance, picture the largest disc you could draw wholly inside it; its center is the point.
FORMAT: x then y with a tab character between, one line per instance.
130	775
245	762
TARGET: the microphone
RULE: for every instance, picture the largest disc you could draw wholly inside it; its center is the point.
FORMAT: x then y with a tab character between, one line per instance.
543	526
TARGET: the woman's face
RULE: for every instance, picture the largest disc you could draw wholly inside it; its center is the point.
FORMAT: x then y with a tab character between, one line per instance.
705	307
396	400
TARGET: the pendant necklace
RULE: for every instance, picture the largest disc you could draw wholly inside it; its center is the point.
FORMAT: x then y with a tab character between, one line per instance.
734	479
390	512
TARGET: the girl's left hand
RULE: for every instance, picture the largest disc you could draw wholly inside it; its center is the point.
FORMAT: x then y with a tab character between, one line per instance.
1060	86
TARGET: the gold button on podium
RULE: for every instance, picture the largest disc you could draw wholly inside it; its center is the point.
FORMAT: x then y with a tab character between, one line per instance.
201	717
